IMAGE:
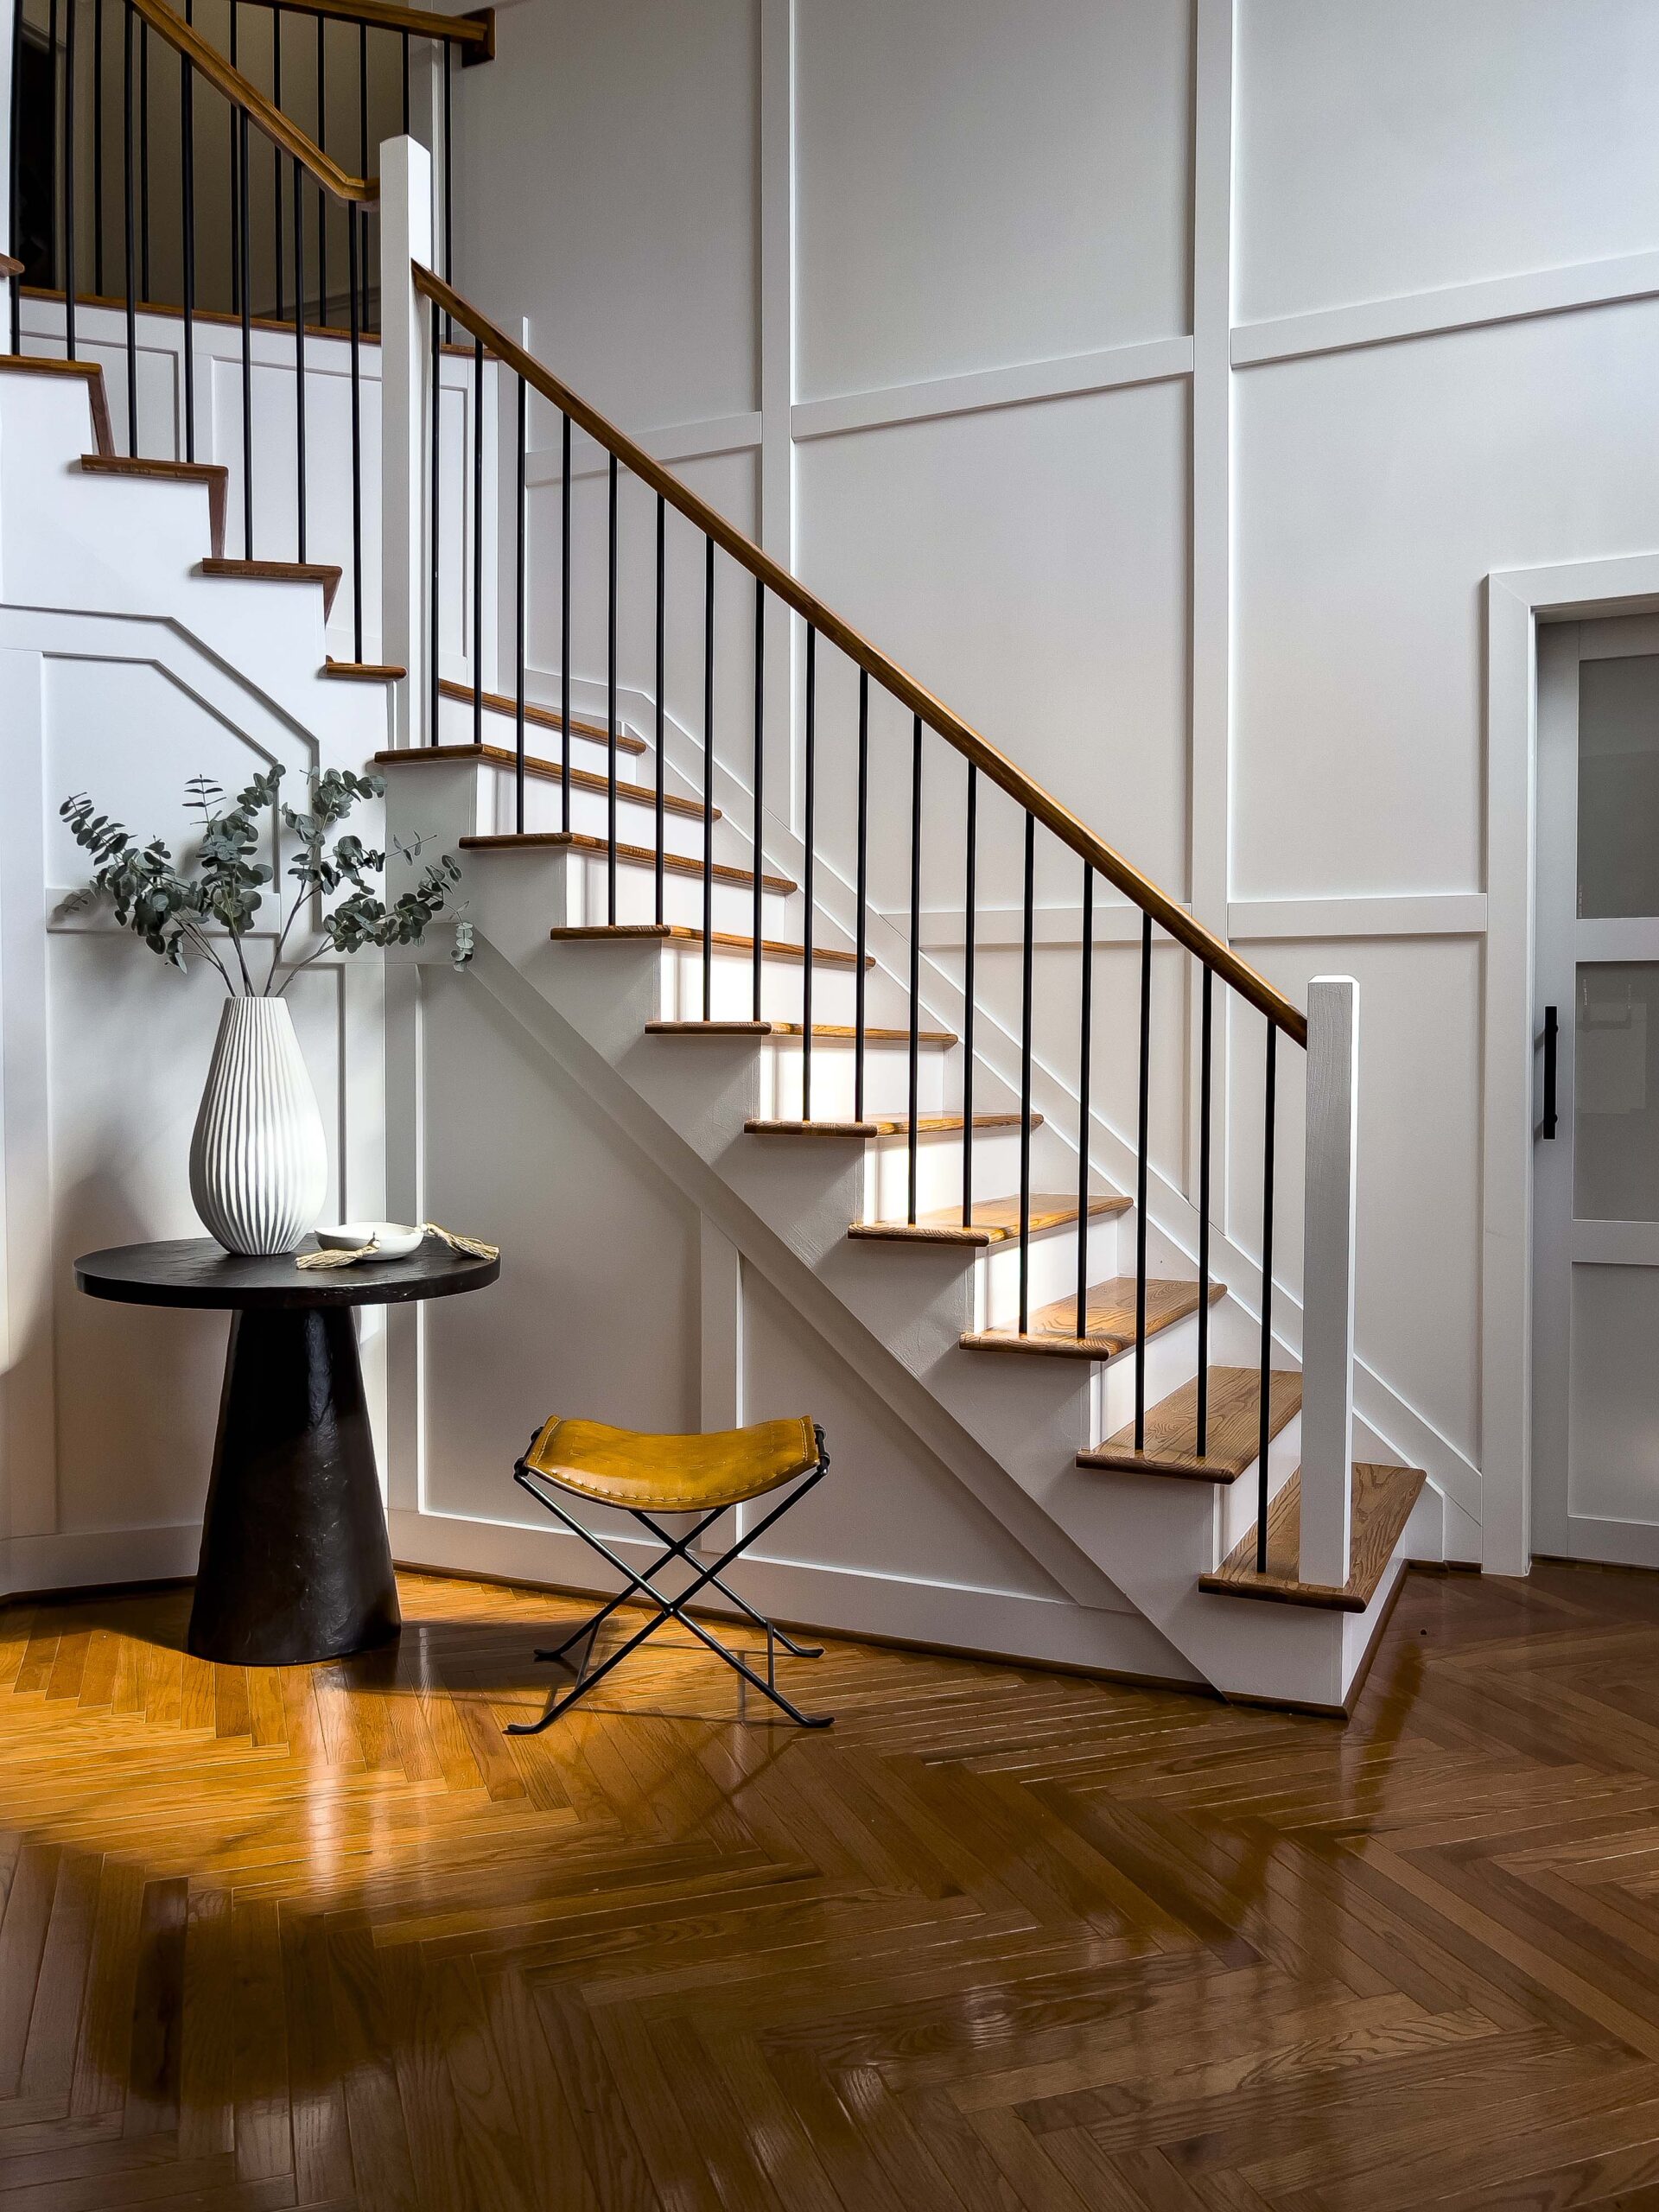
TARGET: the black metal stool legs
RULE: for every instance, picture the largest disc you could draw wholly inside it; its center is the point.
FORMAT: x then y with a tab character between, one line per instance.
672	1608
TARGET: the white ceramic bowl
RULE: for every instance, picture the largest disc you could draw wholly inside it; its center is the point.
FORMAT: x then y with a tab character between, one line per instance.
393	1240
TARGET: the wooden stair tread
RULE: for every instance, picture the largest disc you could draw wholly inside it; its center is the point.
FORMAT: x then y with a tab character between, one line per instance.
364	671
824	1032
929	1125
1383	1498
498	702
508	840
278	572
212	473
90	373
1234	1428
996	1221
682	933
1108	1314
549	771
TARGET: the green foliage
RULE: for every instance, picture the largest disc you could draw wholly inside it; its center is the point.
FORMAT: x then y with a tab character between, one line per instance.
180	909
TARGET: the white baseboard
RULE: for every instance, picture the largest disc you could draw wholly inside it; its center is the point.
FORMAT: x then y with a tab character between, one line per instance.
95	1558
995	1623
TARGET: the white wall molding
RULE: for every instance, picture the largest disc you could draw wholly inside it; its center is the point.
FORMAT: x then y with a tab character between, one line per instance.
1154	361
674	443
1455	306
1430	914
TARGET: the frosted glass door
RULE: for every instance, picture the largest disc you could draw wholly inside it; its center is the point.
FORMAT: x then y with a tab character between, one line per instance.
1596	1190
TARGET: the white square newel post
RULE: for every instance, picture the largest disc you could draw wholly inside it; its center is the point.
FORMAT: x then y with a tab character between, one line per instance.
405	358
1328	1281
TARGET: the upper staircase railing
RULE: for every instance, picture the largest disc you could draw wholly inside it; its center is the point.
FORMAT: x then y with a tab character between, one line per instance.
182	245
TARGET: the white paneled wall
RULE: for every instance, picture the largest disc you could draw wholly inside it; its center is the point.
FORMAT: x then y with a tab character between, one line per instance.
1053	330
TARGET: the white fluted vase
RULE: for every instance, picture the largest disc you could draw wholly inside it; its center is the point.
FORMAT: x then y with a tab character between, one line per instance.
259	1158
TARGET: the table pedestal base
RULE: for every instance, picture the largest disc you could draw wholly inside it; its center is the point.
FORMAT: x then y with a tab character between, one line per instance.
295	1565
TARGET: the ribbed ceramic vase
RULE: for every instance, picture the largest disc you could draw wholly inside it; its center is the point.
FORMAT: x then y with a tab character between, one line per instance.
259	1159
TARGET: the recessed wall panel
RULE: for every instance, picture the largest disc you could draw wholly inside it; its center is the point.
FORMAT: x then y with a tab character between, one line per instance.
1393	146
981	182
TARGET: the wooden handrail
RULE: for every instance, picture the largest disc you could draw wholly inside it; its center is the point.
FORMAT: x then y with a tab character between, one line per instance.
474	34
185	39
1146	894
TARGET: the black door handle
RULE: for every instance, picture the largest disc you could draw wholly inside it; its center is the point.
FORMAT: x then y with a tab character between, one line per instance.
1551	1030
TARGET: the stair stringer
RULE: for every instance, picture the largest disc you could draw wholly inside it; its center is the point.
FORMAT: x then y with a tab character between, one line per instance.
1025	1418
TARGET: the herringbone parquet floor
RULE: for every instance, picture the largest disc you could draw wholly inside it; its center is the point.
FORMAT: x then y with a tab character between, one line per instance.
999	1939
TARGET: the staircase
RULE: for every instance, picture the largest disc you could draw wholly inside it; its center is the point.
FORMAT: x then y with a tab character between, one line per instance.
884	1134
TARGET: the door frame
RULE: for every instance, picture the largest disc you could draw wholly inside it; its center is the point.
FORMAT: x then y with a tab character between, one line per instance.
1518	601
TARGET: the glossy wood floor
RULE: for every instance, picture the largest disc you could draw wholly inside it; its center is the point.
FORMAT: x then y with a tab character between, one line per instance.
998	1940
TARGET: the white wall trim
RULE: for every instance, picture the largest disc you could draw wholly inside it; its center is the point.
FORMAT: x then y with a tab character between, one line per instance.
1154	360
1517	600
676	442
1455	306
1427	913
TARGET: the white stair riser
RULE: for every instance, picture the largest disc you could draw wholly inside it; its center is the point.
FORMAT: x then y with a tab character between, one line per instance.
733	997
887	1076
1240	1499
456	727
586	899
1053	1264
590	816
938	1171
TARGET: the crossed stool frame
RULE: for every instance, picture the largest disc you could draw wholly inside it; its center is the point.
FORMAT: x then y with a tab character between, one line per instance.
646	1476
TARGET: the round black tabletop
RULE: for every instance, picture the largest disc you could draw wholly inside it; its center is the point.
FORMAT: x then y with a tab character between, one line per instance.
195	1271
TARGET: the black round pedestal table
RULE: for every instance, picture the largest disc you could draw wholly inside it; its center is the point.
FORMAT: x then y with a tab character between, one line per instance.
295	1565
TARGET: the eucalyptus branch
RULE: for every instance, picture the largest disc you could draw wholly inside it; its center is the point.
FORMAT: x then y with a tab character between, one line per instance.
171	907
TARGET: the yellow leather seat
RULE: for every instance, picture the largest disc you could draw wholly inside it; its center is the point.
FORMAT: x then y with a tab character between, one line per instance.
671	1474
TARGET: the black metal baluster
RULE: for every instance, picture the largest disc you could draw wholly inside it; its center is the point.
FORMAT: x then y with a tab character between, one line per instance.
277	165
1027	993
1202	1436
810	826
911	1162
449	177
143	161
73	12
56	271
1084	1069
437	482
128	266
610	696
188	219
709	779
299	357
233	118
862	891
969	897
98	137
322	197
247	333
478	541
1264	1424
14	232
662	603
353	218
760	771
1145	1102
519	614
564	622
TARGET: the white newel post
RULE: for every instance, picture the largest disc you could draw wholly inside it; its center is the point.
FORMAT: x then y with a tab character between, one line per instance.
405	358
1328	1278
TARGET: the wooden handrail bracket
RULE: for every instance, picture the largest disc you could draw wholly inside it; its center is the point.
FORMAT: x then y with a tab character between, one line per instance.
1167	912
